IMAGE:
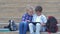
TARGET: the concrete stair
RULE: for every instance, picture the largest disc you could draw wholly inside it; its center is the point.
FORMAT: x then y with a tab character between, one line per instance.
27	32
18	20
14	9
6	24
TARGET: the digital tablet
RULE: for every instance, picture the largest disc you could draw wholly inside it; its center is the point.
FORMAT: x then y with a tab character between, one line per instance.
34	22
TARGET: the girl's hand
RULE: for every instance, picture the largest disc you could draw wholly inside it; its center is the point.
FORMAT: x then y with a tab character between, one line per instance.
28	20
43	24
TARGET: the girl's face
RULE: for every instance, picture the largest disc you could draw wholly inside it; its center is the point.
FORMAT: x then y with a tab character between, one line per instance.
30	12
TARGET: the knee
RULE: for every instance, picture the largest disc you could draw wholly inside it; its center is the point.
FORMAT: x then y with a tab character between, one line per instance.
25	23
21	24
38	24
30	24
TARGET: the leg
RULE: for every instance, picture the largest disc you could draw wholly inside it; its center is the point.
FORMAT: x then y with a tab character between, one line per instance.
43	28
38	28
21	28
31	28
25	27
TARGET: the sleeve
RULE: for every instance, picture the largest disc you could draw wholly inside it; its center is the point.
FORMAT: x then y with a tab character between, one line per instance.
44	19
23	18
33	19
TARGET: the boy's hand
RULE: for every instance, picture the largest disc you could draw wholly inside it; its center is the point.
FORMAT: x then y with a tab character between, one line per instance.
43	24
28	20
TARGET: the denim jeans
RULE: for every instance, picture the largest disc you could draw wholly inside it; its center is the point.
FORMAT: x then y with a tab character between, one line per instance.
23	26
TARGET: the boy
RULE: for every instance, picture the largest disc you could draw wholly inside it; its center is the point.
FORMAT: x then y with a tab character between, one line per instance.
23	26
38	17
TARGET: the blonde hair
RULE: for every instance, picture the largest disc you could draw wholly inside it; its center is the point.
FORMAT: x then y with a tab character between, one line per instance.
29	7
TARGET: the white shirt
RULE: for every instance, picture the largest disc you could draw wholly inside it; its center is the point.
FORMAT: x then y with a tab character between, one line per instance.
37	19
41	18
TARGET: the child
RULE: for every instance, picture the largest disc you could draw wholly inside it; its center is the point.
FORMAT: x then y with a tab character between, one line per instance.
38	17
27	17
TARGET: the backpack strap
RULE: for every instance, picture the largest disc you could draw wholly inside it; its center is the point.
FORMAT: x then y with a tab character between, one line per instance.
48	31
47	28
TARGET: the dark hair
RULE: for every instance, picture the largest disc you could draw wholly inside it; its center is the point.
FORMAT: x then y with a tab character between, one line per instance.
38	8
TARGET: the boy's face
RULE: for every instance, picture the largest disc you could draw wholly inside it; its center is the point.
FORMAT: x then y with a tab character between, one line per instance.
30	12
38	13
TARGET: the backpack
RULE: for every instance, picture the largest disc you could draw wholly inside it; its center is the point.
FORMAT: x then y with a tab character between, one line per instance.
12	26
52	24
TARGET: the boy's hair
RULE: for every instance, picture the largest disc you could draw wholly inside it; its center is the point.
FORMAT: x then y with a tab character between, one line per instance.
38	8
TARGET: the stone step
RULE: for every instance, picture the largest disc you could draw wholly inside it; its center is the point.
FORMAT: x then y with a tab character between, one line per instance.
13	8
44	5
16	32
19	14
5	20
17	20
13	5
9	8
16	10
2	25
47	4
36	1
22	9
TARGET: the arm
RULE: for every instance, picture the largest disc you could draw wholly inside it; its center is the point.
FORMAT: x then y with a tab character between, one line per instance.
23	18
33	19
44	20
